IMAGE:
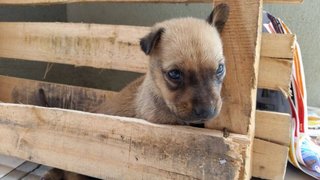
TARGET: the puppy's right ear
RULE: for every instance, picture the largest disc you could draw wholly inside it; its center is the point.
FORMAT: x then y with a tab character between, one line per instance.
149	42
219	16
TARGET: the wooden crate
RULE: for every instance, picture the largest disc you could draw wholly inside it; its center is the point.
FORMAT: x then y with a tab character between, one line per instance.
105	146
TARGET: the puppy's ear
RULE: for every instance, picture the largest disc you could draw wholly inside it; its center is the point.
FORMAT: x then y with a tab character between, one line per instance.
149	42
219	16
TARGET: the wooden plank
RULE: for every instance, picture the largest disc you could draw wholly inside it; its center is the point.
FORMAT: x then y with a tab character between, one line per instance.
276	61
99	46
13	2
117	147
273	127
283	1
16	90
30	2
241	50
275	74
269	160
278	45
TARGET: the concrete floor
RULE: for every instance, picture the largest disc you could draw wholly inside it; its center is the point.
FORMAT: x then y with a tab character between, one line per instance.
14	168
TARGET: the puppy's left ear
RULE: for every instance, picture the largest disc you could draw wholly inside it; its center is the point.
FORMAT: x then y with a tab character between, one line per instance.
149	42
219	16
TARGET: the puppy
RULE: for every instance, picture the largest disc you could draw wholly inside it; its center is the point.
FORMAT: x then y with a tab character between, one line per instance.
184	79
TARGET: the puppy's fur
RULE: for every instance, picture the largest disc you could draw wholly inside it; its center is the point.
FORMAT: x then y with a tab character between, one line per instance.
184	79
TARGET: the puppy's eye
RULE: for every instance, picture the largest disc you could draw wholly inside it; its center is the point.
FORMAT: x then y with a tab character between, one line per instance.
220	70
175	75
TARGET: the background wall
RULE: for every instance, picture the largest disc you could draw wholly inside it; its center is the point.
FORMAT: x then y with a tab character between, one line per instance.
302	19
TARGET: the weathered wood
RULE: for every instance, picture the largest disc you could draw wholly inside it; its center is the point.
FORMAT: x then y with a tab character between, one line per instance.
275	74
117	147
276	61
273	127
17	90
282	1
104	46
269	160
99	46
13	2
239	92
278	45
90	46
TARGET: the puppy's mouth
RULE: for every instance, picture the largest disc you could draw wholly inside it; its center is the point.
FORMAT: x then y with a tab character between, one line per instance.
192	119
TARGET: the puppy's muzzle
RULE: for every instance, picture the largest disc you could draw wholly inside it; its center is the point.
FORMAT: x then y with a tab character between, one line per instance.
201	112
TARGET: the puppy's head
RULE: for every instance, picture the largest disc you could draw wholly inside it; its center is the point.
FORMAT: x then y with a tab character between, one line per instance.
187	64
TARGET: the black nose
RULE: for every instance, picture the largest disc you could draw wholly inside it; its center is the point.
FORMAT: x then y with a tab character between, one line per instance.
203	112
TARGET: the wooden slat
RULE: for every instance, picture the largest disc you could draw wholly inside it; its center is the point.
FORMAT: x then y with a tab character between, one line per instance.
242	55
13	2
273	127
276	61
16	90
117	147
283	1
100	46
117	47
26	92
277	45
269	160
275	74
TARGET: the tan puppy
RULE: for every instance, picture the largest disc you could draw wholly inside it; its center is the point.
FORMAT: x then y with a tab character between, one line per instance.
184	79
185	74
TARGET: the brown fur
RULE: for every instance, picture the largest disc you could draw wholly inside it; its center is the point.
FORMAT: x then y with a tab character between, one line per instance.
193	47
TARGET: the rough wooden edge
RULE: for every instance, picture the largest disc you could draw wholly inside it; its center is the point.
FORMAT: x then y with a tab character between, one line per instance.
269	160
251	129
115	146
16	2
273	127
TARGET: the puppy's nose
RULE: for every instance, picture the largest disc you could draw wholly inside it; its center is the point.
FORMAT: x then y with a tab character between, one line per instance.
203	112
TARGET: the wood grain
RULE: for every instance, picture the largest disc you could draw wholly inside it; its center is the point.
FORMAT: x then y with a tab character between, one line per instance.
278	46
273	127
23	91
117	147
269	160
276	62
99	46
13	2
275	74
283	1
